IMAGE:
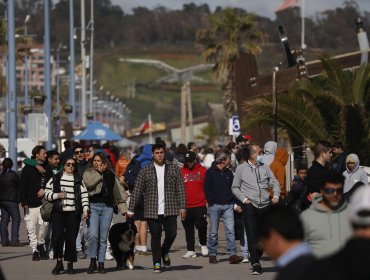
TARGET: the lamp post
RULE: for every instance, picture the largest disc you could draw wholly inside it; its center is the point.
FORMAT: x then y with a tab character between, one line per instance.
47	77
26	101
71	96
12	95
83	65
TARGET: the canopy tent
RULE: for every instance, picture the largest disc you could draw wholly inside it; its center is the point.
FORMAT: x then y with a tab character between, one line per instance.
97	131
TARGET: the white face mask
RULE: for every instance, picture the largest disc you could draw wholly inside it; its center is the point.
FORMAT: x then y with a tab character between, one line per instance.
259	159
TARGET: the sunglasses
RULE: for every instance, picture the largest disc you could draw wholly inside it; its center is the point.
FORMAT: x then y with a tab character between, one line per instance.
77	152
70	164
332	191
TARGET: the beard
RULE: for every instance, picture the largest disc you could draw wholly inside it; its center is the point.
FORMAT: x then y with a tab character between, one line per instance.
333	205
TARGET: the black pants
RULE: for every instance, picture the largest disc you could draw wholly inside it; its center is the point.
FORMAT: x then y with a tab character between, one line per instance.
197	217
169	224
252	216
64	228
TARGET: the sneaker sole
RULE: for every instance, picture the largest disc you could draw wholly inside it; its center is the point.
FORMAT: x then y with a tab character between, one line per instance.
156	271
256	273
192	256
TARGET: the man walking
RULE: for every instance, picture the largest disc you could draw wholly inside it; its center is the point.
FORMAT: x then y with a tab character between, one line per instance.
352	261
251	184
217	188
31	193
162	187
193	175
326	223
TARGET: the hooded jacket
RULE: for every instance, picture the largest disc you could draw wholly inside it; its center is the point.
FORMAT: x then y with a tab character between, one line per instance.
253	182
194	185
270	151
326	230
358	174
146	156
278	168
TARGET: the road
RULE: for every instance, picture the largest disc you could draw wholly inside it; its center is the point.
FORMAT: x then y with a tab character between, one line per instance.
16	264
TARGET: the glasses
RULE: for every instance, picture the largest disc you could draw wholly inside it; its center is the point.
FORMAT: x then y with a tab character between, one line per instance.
350	162
77	152
332	191
70	164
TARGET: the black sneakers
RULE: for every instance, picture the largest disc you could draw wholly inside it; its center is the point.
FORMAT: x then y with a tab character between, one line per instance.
256	269
35	256
166	260
43	254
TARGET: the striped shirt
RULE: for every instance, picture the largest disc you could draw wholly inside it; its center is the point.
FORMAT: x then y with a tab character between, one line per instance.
67	186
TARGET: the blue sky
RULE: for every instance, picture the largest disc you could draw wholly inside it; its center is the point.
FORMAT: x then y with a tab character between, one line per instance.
262	7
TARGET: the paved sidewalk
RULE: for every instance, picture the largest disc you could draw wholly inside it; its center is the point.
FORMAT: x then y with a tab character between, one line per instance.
16	264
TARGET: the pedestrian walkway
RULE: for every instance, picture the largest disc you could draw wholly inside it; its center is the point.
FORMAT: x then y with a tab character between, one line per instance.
16	264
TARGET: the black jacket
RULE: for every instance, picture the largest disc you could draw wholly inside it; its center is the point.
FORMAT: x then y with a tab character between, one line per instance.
31	182
350	263
315	177
9	186
217	186
296	269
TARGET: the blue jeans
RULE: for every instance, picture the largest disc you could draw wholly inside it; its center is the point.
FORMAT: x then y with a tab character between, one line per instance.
226	212
9	209
98	228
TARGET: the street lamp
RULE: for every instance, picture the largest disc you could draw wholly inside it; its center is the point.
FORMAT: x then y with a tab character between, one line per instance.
26	103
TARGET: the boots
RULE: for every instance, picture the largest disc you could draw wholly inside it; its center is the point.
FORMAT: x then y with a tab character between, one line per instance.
92	267
101	268
43	254
70	269
58	268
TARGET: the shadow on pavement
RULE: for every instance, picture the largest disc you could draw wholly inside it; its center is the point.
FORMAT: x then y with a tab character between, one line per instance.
14	257
183	267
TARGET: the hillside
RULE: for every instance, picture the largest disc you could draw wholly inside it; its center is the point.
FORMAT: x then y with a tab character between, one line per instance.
160	100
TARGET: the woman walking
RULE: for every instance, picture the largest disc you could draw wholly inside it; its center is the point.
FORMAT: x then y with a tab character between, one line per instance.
100	178
66	190
9	199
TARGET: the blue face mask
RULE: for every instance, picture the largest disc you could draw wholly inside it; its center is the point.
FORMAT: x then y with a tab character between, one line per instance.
259	159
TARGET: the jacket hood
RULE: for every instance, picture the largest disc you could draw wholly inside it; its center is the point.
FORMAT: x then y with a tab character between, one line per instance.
316	206
146	153
270	150
282	155
355	158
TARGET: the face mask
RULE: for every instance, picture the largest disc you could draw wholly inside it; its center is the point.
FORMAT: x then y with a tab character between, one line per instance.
259	159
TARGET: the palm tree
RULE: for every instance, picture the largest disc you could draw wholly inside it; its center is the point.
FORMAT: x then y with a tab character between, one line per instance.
231	33
334	106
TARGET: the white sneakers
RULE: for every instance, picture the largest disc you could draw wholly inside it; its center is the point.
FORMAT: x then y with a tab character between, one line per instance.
245	260
204	250
108	256
189	254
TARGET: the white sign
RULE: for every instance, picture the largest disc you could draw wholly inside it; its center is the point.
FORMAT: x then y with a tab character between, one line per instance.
234	126
38	127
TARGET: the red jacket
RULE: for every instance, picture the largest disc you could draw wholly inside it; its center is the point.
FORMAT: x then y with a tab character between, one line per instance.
194	185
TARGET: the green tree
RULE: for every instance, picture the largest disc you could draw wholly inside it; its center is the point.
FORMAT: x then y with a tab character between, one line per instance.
231	33
334	106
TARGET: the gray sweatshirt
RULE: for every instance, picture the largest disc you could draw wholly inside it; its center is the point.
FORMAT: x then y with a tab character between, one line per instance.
253	182
358	174
325	230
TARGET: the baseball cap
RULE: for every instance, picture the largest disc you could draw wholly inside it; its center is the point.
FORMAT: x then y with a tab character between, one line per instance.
359	208
190	156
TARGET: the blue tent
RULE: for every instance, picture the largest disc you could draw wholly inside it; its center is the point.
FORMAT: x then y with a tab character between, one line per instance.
97	131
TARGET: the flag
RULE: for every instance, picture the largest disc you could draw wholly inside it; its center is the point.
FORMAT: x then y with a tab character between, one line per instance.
286	4
144	126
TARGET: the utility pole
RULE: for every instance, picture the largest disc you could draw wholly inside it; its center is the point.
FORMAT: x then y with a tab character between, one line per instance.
12	95
183	114
190	112
26	101
91	57
47	79
83	65
72	96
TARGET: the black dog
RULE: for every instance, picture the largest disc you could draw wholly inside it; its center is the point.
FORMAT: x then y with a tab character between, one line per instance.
122	240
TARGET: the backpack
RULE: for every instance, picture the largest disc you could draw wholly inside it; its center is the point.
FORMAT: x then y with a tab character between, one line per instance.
132	170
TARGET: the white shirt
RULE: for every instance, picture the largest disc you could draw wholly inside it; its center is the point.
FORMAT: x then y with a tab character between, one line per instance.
160	184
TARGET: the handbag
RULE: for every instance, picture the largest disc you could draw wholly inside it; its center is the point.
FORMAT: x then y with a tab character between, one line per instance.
46	209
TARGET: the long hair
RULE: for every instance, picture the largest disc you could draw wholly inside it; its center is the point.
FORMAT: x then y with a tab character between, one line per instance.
103	159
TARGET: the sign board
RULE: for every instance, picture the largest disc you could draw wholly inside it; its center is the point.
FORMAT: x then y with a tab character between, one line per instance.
234	126
38	127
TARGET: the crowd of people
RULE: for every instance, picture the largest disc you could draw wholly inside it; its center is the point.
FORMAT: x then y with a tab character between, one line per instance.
243	185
